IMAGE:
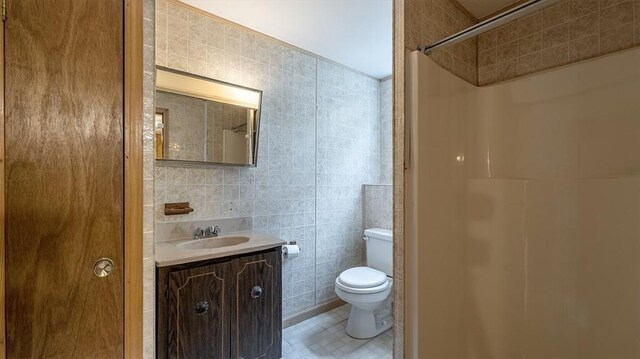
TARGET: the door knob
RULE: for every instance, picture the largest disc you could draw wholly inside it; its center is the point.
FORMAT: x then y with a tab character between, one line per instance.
102	267
256	292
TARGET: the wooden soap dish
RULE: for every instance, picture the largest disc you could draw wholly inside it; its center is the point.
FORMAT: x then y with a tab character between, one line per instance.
172	209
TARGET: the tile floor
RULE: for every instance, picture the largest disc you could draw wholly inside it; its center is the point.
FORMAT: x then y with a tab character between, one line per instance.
323	336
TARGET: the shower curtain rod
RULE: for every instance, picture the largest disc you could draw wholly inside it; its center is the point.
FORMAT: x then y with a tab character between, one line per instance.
491	23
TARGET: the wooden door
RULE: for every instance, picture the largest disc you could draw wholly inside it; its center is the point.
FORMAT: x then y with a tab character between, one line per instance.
64	177
198	312
256	322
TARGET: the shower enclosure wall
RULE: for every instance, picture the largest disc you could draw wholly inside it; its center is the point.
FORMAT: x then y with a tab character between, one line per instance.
523	213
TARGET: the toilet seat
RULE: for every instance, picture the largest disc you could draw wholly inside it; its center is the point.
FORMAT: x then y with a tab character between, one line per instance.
362	280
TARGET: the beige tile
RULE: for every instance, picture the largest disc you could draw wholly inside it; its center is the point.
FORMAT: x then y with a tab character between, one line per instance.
197	28
583	48
530	24
554	56
555	36
507	51
422	7
580	8
487	57
507	70
488	39
177	46
161	57
487	75
556	14
177	62
584	26
507	33
161	40
198	67
468	50
179	27
215	33
438	16
608	3
459	51
197	51
616	38
529	63
616	15
177	11
529	44
161	6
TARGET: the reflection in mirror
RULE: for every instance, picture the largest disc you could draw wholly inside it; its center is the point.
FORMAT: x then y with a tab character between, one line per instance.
203	120
162	115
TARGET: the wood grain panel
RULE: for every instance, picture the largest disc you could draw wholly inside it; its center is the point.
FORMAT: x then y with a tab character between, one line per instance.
64	177
265	323
199	313
257	321
133	179
3	321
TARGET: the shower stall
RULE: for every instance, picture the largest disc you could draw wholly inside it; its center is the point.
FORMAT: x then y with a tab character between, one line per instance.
523	212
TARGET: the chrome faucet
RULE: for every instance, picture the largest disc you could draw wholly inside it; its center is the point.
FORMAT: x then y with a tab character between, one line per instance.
213	231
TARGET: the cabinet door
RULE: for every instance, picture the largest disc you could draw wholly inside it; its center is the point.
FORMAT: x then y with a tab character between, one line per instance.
256	321
199	312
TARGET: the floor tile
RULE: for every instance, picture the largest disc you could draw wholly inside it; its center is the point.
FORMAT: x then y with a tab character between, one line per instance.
324	336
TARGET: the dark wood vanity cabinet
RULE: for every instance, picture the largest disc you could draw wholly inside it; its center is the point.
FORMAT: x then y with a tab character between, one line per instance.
222	308
198	315
256	318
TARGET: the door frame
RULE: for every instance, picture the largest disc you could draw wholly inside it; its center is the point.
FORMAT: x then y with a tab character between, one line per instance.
133	178
133	187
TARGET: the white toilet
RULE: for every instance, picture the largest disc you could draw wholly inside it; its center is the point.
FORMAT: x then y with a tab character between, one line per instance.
368	289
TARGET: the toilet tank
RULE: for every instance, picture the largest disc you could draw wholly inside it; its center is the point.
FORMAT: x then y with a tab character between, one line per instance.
379	244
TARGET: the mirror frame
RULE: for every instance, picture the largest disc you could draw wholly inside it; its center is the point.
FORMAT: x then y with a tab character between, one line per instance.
168	161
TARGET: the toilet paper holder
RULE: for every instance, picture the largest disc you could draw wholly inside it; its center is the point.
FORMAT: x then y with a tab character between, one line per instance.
285	252
293	243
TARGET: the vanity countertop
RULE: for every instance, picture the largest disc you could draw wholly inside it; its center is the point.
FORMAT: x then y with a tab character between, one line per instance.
177	251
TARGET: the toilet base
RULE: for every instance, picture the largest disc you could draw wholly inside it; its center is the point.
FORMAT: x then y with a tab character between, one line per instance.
365	324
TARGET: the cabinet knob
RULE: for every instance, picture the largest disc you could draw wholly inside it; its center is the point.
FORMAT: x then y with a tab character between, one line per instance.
256	292
202	307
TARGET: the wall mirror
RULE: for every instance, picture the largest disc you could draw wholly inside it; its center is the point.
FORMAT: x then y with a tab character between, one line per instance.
205	121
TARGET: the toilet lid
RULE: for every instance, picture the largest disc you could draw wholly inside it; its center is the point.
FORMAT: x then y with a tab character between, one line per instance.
362	277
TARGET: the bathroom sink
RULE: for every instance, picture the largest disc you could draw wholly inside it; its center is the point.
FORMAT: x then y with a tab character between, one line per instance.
215	242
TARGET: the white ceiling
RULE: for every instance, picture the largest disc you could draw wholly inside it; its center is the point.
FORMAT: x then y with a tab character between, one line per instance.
355	33
482	8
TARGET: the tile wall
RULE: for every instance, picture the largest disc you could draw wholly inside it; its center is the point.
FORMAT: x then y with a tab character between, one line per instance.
570	31
301	157
378	206
347	156
398	88
386	131
148	180
426	21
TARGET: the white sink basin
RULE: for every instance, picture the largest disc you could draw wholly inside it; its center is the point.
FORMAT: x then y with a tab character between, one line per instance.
214	242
